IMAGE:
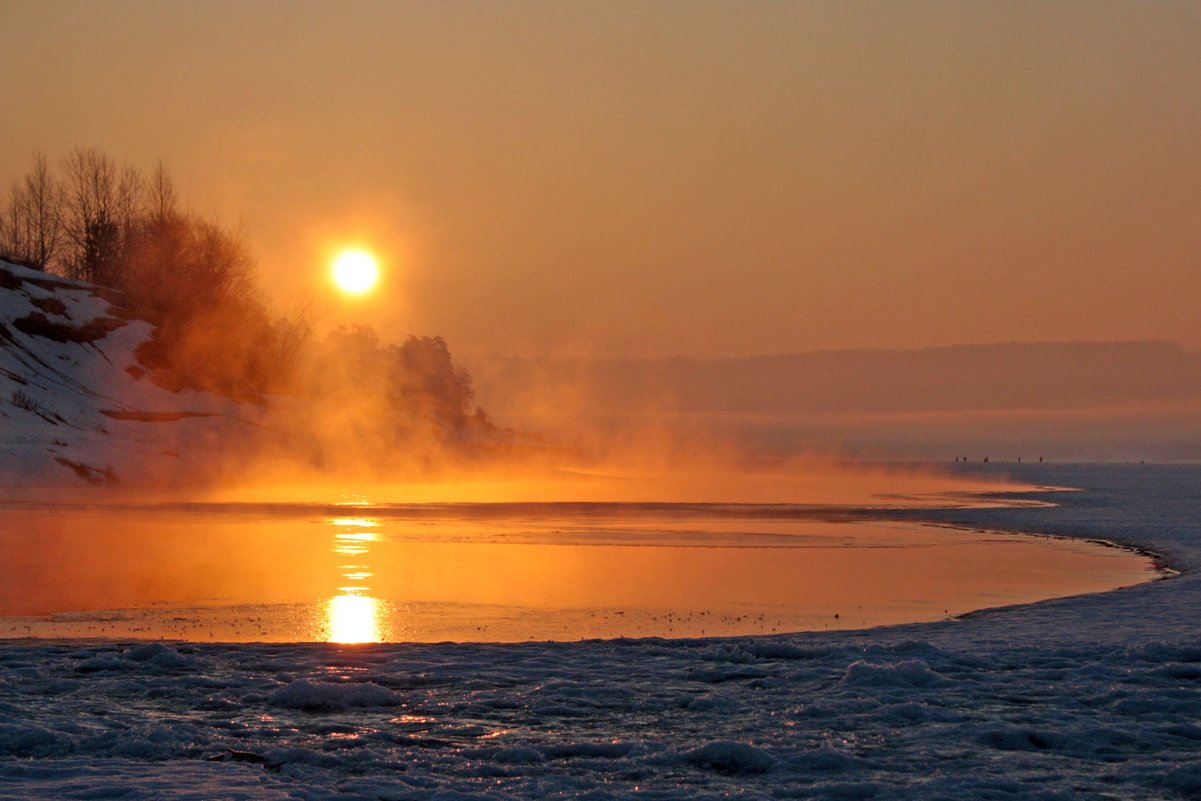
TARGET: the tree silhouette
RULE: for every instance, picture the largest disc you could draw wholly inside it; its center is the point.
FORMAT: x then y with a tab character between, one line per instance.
31	224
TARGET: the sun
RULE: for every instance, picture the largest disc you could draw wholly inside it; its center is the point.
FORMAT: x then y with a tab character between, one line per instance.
355	271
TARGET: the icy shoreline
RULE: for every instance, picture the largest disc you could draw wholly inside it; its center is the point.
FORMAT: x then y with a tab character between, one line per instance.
1093	696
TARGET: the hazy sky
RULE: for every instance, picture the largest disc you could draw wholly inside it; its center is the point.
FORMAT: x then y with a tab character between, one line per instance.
656	178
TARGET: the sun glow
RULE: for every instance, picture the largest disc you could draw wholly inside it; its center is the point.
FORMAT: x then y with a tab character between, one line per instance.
355	272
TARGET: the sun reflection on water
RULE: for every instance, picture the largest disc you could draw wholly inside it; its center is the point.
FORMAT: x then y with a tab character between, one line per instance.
353	619
355	522
353	616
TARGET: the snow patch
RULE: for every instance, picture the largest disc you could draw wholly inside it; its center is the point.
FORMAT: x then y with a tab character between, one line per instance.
161	656
908	673
324	696
732	758
24	740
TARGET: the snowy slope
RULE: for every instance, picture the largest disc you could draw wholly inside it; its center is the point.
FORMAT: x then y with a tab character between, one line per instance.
1093	697
74	403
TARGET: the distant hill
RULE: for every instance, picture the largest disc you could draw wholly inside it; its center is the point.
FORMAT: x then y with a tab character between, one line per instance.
1073	400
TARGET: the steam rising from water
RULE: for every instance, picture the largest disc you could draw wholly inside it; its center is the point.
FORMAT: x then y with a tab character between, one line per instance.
564	453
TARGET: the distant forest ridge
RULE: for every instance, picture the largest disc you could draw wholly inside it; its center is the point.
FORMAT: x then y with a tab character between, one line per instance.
1040	375
1067	401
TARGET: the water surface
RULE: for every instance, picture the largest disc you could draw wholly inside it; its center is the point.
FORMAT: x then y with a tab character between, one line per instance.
511	572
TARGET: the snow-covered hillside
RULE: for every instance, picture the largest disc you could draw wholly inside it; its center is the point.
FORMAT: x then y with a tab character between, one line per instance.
76	405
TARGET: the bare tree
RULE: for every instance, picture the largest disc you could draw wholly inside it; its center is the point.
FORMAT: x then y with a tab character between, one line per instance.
90	219
129	199
91	179
31	221
174	266
13	225
44	200
161	201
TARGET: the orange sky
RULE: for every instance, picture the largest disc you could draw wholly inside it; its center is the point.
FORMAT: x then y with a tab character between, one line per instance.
631	178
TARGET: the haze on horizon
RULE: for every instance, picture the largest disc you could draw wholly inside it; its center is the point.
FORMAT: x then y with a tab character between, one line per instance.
630	179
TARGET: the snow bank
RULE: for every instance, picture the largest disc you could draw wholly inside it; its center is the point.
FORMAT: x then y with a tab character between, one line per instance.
77	407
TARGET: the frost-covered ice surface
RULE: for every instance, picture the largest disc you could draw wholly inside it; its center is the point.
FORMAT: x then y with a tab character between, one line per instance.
1089	697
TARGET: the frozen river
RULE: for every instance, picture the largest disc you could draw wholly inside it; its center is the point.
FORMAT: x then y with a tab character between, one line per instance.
1095	696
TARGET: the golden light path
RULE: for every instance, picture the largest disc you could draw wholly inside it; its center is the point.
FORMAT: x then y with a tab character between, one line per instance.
353	616
353	619
355	272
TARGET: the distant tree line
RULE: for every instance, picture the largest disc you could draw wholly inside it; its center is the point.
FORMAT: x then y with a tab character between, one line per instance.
114	226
